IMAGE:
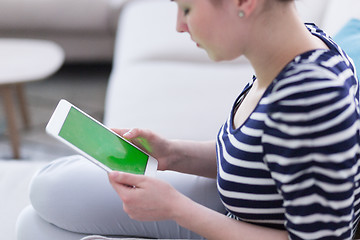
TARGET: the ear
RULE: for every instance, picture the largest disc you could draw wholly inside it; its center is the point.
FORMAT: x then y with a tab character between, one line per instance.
247	6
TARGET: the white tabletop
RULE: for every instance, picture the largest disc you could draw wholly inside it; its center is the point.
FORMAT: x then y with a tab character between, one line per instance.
23	60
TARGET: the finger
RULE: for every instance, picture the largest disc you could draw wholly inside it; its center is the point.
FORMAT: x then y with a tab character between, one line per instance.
122	190
121	132
132	133
144	144
126	193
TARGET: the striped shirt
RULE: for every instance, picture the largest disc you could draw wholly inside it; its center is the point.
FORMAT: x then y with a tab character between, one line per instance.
293	164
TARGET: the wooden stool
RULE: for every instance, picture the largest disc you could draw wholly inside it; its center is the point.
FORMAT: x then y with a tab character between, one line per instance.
21	61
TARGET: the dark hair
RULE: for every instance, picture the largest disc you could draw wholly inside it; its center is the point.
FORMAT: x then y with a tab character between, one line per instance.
219	1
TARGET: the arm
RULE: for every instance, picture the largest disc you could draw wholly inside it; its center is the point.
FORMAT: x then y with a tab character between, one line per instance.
192	157
154	200
311	149
213	225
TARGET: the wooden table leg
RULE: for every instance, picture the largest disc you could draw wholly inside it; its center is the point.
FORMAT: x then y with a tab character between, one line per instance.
6	92
23	106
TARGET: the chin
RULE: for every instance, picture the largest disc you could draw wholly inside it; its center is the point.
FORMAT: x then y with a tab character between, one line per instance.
215	58
221	58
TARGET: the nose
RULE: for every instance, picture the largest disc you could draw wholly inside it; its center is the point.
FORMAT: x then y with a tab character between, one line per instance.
181	25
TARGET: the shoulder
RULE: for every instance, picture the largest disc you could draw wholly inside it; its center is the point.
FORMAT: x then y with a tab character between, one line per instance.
333	46
315	73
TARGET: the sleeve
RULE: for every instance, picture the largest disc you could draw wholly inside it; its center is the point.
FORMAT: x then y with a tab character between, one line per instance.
311	148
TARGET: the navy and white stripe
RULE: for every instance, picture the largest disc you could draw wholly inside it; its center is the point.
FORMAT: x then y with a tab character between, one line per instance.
294	163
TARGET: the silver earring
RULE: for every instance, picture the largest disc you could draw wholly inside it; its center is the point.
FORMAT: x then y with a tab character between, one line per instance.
241	14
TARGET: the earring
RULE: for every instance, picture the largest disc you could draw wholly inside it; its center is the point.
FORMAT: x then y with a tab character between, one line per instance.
241	14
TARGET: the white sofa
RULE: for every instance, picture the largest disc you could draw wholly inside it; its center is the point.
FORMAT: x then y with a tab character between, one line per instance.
161	81
84	28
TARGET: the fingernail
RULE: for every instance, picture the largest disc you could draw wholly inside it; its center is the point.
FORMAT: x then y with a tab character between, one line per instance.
127	134
114	174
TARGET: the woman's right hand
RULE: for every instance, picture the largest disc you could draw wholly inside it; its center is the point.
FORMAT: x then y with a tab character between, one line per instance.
155	145
191	157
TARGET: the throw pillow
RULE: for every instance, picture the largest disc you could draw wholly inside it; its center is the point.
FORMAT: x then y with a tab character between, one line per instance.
349	39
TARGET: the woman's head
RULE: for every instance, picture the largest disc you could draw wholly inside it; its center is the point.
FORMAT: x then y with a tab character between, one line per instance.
222	27
209	24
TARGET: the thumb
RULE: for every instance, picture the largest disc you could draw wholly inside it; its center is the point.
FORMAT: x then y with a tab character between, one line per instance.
121	132
132	133
125	178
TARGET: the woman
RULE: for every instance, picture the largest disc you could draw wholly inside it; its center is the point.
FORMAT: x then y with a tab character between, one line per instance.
291	142
286	159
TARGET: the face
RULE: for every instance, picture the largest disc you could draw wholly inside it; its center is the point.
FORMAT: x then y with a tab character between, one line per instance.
213	27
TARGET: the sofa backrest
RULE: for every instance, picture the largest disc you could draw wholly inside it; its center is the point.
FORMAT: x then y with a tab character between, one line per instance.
153	38
79	17
330	15
338	13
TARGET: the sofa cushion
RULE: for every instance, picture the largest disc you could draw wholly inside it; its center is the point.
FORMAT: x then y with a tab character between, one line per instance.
55	15
15	177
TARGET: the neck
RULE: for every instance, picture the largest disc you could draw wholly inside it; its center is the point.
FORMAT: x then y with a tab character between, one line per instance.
288	38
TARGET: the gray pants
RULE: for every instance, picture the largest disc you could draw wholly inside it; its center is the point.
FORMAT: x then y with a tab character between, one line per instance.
72	198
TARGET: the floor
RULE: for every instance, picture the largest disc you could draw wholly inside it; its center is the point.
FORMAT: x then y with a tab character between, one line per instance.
84	85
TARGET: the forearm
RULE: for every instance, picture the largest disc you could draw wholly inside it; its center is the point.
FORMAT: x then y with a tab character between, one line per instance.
194	157
214	225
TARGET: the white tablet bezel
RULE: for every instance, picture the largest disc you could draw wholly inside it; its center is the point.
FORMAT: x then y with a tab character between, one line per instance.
57	120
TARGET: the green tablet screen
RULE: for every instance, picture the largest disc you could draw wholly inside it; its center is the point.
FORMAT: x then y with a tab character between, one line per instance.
101	144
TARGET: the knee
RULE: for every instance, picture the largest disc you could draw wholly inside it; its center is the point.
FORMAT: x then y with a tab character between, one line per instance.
69	190
50	186
48	190
58	192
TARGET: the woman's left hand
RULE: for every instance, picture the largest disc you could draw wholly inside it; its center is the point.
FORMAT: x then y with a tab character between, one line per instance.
149	199
145	198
